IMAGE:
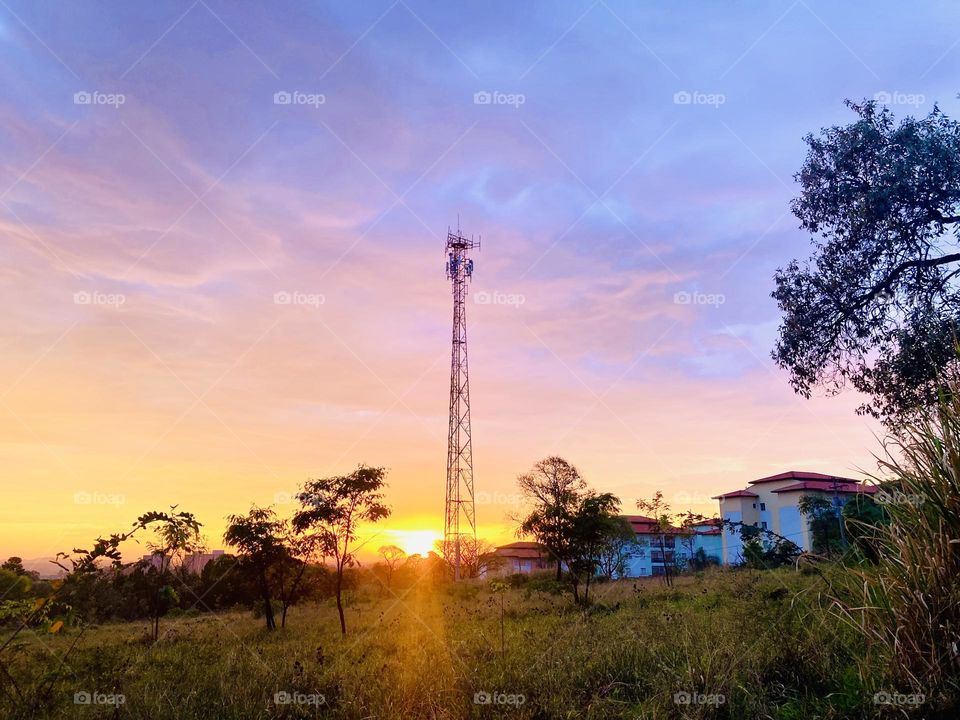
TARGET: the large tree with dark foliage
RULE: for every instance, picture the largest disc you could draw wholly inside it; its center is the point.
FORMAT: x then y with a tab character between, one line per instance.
553	489
877	305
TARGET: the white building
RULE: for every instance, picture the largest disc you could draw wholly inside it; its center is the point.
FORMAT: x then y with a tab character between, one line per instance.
772	503
673	548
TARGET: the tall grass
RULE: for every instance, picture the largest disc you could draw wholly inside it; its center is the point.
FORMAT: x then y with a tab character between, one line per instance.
907	604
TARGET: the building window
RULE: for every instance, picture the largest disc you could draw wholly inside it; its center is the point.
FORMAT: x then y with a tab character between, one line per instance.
763	525
763	506
754	506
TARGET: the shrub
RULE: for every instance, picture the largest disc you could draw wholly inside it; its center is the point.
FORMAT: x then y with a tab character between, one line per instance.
907	604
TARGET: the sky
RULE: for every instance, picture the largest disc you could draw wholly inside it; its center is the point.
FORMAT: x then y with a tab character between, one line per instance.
222	255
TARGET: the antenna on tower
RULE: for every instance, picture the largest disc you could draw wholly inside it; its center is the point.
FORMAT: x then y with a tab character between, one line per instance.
460	527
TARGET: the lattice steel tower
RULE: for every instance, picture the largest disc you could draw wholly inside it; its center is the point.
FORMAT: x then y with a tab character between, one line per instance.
460	526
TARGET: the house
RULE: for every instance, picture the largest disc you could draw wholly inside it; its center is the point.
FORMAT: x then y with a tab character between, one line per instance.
518	557
773	503
673	548
651	557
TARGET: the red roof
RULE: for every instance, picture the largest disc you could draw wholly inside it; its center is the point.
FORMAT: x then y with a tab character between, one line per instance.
643	525
841	487
522	549
736	493
801	475
714	527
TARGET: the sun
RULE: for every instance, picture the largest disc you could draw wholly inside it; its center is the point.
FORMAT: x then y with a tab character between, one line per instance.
415	542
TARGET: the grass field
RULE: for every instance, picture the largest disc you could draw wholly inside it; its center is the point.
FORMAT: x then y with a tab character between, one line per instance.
734	644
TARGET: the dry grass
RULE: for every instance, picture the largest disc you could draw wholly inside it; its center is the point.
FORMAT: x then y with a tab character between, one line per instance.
768	652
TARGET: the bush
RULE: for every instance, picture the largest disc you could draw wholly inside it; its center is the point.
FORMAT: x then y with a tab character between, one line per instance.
908	602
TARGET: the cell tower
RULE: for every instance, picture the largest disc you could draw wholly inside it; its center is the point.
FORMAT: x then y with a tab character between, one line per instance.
459	524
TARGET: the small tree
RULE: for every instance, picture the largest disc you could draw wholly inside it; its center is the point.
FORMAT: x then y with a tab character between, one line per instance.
476	556
392	557
659	512
826	523
620	548
259	537
177	536
594	523
332	508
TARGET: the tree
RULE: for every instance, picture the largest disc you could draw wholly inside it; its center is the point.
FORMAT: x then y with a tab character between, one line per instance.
826	523
177	535
14	565
763	554
392	557
288	574
862	516
620	548
332	508
877	305
259	538
595	522
554	488
659	511
476	555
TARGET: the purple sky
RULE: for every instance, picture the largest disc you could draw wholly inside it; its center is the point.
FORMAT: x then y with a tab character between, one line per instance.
629	166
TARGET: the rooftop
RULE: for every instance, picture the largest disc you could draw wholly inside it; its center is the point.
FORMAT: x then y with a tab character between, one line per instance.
736	493
801	475
824	486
